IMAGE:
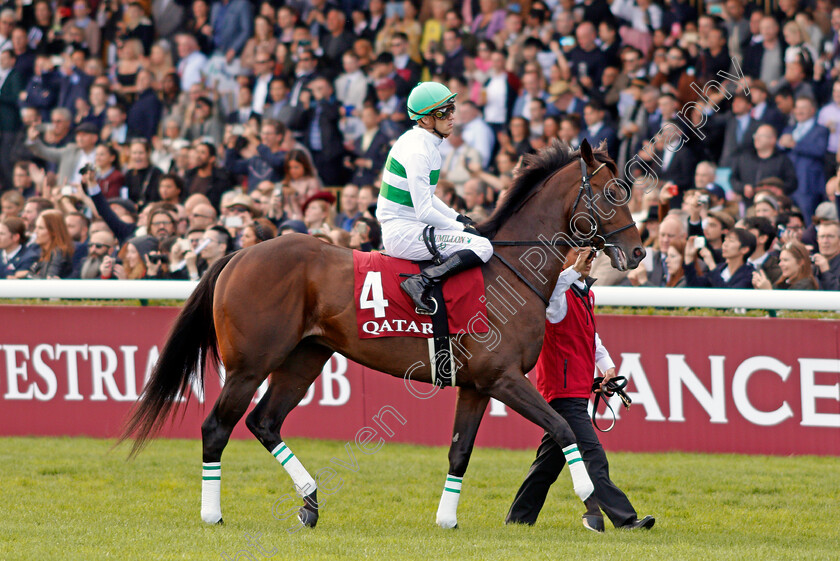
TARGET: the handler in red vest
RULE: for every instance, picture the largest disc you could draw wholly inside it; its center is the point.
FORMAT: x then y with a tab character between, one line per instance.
564	376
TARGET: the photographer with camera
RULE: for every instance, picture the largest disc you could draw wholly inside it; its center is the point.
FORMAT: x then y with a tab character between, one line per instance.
122	229
563	375
267	163
733	272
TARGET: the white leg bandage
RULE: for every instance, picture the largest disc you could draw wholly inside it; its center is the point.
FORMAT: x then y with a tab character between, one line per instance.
211	492
447	514
580	477
304	484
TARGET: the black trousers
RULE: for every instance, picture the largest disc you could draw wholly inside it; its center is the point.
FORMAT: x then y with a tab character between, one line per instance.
550	460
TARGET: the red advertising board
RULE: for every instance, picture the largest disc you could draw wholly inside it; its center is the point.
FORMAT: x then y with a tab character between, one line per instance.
746	385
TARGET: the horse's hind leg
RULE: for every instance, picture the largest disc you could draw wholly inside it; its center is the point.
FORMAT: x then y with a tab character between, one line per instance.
468	412
514	390
288	386
236	395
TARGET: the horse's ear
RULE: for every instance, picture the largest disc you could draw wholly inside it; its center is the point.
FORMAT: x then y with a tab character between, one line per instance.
586	152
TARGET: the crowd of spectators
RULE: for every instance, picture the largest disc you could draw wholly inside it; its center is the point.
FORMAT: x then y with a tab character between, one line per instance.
146	139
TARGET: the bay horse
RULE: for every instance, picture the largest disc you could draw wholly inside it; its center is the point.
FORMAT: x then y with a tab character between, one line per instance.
283	307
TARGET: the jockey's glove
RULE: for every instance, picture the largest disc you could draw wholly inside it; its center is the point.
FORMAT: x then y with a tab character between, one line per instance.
464	219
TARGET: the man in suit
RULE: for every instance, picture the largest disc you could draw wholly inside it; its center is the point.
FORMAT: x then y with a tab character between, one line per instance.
448	60
531	89
264	74
670	164
766	161
596	130
763	111
72	84
321	133
408	69
384	68
369	150
232	22
70	158
807	143
10	87
144	114
740	128
351	87
765	60
168	16
335	42
304	73
654	270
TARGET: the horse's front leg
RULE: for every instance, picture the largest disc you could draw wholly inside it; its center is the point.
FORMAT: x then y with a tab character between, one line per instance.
515	391
469	409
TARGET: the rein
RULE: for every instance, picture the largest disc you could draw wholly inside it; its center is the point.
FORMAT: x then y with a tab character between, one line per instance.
597	242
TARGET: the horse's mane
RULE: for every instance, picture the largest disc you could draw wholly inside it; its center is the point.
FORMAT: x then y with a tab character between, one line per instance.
535	169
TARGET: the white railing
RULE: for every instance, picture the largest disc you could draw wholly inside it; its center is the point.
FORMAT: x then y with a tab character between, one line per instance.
606	295
97	289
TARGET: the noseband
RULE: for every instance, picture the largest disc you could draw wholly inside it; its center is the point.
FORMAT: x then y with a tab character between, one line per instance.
597	242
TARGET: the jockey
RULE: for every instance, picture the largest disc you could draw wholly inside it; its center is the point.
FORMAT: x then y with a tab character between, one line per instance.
407	201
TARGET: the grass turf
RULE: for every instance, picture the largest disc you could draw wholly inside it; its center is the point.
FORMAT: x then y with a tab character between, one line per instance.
73	498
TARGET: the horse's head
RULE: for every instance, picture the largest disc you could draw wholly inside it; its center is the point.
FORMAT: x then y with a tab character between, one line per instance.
562	200
600	216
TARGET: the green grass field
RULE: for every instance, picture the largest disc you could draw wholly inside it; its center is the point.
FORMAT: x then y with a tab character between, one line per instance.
74	498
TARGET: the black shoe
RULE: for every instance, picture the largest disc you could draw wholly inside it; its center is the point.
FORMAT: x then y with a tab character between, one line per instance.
645	523
594	523
419	286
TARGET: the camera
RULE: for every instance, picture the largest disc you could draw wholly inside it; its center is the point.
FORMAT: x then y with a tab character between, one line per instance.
703	200
780	230
158	258
87	168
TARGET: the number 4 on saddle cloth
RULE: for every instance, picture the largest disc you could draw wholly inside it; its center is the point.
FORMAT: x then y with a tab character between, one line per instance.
383	309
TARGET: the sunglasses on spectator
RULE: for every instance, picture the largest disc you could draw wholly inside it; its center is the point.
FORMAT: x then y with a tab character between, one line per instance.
100	245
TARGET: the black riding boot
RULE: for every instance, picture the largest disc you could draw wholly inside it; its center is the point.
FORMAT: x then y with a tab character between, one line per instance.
419	286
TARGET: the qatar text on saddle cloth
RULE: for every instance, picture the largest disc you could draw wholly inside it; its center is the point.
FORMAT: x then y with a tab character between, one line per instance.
383	309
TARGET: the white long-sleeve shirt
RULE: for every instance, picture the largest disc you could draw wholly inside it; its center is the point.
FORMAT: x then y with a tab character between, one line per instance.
408	182
557	308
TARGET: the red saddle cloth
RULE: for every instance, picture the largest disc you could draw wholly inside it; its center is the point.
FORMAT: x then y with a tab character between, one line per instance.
383	309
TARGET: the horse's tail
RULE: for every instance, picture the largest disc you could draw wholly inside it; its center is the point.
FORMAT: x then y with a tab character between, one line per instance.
191	341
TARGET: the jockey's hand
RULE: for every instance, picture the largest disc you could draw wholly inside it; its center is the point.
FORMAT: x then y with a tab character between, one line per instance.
464	219
470	229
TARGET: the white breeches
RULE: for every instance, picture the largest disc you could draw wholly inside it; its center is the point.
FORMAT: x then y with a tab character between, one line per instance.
404	239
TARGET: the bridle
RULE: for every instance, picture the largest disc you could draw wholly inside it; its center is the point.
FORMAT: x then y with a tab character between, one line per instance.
597	242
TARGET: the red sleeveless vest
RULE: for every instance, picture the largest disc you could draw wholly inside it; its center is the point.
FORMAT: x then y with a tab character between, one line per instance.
566	365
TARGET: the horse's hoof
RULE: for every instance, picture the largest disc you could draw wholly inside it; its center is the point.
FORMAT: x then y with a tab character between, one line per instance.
307	517
212	518
308	513
448	524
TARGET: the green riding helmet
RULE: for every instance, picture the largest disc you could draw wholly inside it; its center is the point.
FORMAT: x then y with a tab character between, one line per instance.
426	97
